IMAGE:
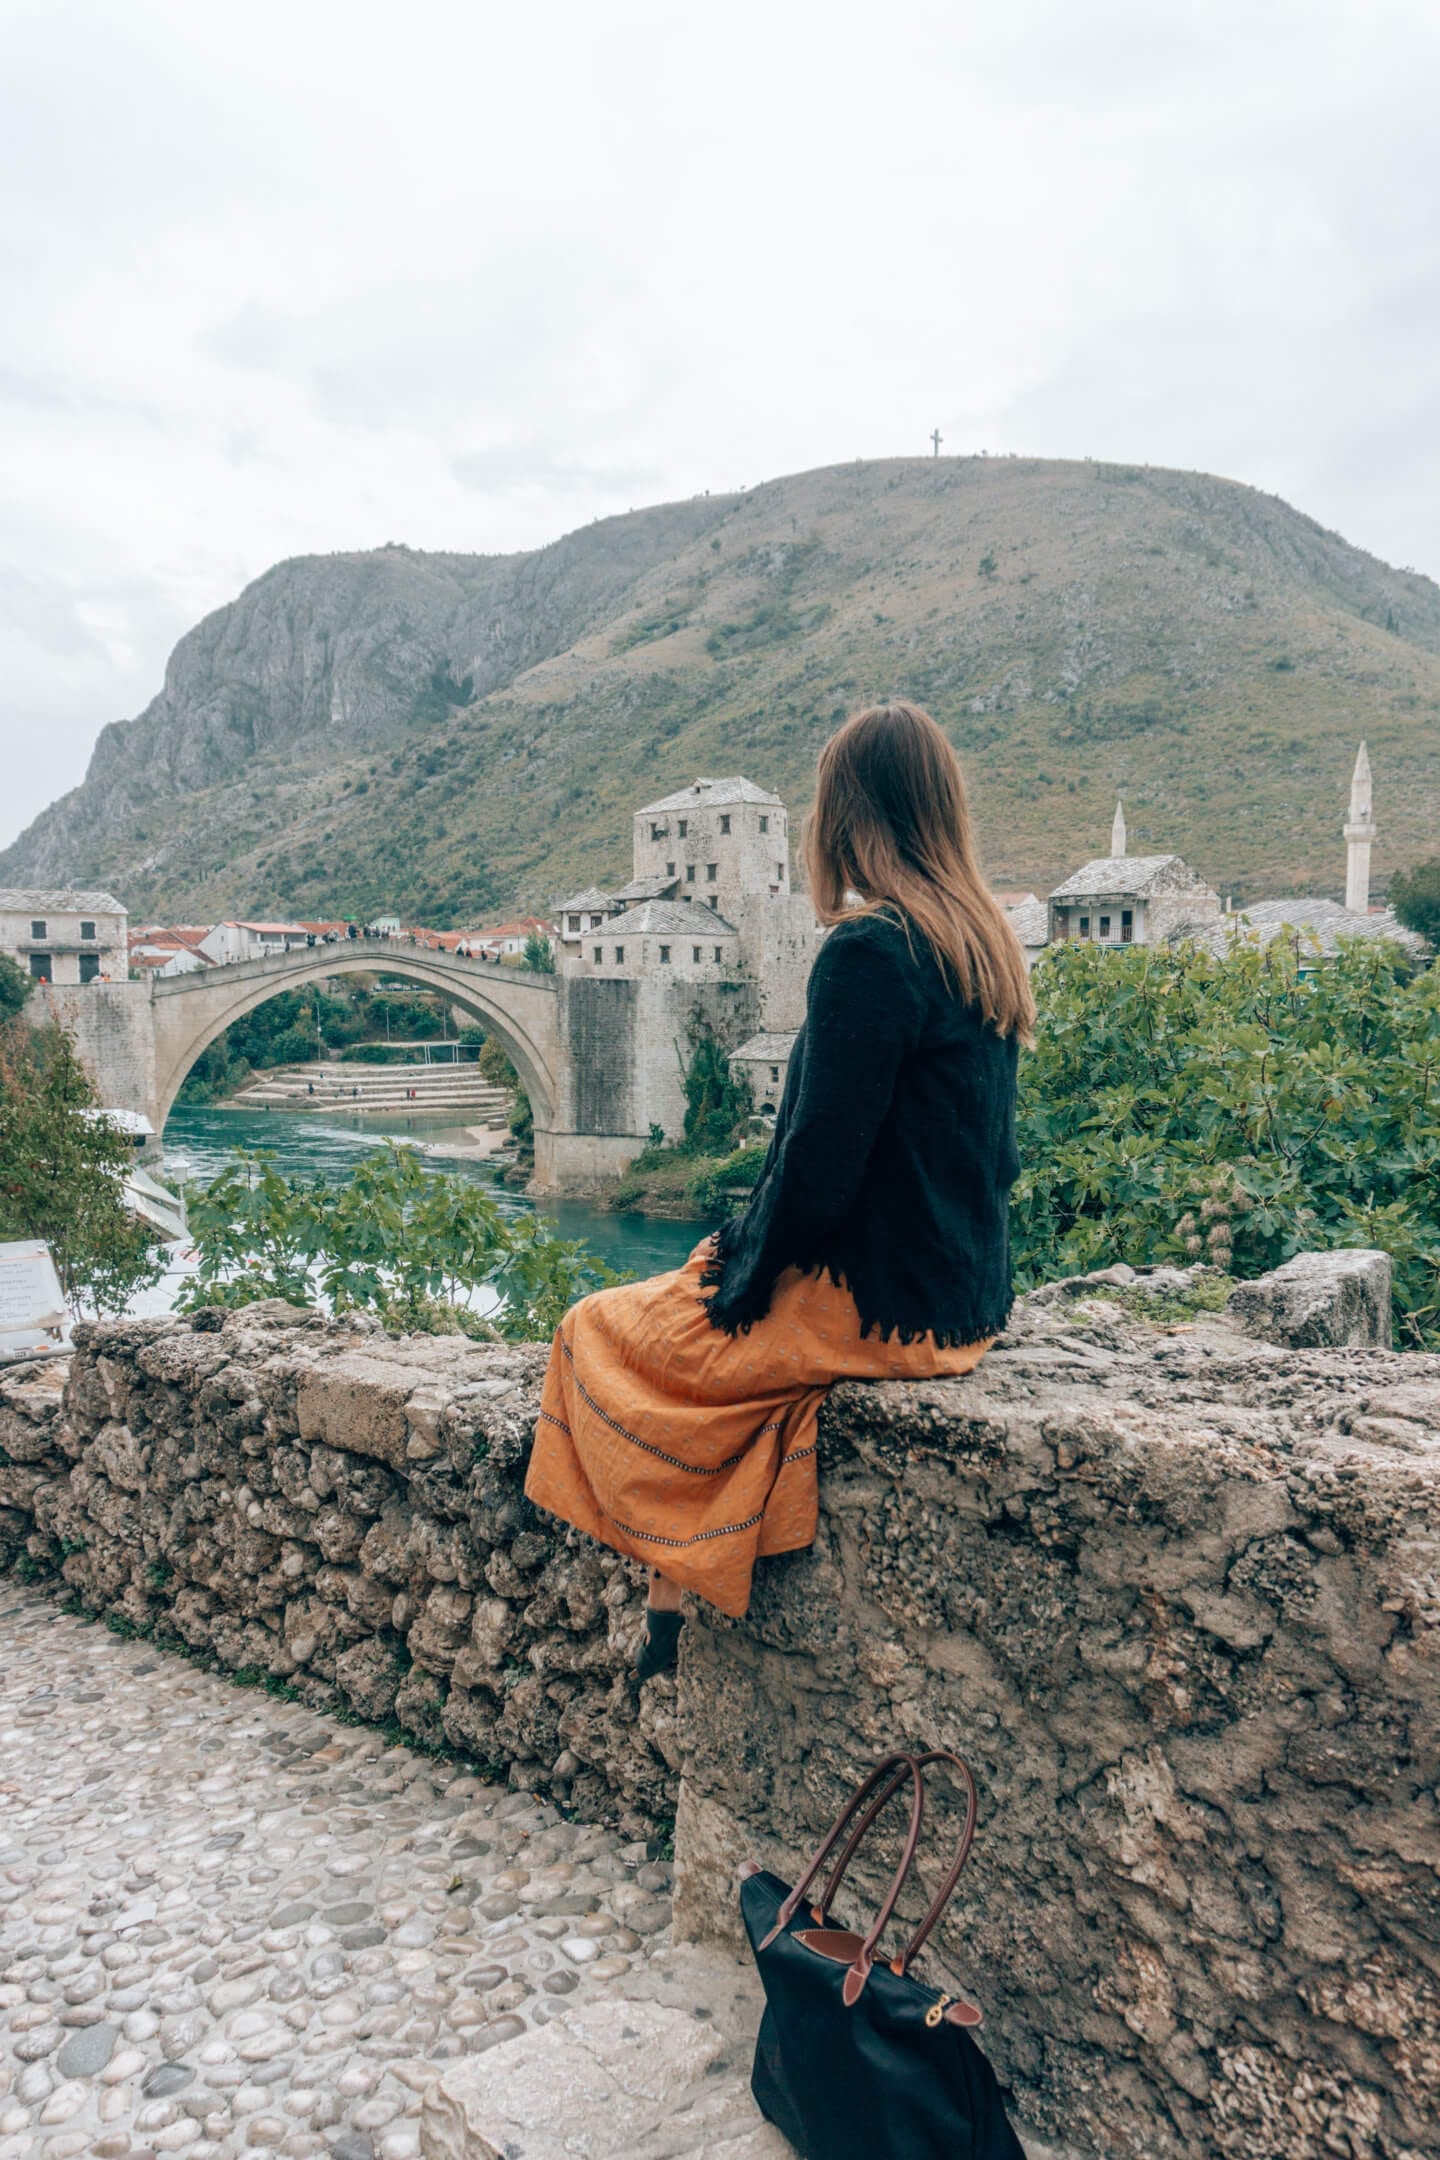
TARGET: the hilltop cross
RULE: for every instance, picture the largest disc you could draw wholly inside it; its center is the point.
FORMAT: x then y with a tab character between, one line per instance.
937	438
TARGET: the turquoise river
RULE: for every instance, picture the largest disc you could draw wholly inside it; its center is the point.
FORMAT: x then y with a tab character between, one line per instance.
199	1143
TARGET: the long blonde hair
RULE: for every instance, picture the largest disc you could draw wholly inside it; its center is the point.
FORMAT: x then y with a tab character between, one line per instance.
891	823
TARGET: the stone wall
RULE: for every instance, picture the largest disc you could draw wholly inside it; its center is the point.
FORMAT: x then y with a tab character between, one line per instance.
1171	1585
625	1043
344	1514
1174	1591
111	1026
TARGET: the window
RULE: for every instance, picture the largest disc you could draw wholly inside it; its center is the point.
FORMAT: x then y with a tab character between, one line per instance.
619	956
89	966
664	956
683	827
599	954
725	821
574	922
87	929
695	954
1127	926
1084	926
710	869
657	832
764	824
718	954
774	1072
669	869
714	903
1104	926
689	873
40	966
37	929
780	871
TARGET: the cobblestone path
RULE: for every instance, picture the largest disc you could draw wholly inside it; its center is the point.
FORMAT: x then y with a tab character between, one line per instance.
228	1924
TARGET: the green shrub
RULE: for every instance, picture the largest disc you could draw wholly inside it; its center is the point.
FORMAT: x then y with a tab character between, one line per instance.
396	1239
1415	897
15	987
63	1172
370	1053
1182	1107
720	1187
718	1101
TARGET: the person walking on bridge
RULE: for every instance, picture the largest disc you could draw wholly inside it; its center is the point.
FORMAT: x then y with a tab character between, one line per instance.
680	1427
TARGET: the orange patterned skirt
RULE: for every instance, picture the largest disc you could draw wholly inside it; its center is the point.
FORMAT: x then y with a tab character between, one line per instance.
694	1450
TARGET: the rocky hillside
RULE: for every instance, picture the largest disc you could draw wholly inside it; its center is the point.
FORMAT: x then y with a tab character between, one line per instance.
452	734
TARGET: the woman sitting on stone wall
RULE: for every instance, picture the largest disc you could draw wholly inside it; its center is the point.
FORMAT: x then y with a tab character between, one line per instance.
681	1429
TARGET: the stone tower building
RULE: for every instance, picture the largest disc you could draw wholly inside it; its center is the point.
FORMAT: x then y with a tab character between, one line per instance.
1359	837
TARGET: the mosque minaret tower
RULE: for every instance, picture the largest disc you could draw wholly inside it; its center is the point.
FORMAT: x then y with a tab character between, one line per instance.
1359	838
1117	831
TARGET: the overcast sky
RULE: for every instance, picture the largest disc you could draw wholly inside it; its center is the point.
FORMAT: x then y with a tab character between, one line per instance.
312	274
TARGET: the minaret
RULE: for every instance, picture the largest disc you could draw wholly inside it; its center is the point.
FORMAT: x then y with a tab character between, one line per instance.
1117	831
1359	836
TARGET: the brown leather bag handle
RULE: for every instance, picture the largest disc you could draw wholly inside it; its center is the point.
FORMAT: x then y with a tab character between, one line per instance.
920	1763
905	1766
876	1808
962	1853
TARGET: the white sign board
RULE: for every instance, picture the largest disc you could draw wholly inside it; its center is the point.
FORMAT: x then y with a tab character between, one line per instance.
32	1305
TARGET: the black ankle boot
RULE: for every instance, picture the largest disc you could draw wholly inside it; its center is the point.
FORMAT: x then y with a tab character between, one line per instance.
660	1644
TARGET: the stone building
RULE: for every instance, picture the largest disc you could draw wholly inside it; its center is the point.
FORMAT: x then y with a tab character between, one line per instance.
722	841
63	936
576	917
1124	899
764	1060
711	875
1029	918
660	935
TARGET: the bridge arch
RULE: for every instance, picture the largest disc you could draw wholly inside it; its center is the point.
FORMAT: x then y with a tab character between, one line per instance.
519	1008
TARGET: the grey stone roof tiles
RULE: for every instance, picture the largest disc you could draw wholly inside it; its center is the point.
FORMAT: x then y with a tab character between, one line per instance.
678	915
1115	874
60	900
768	1049
705	794
1313	916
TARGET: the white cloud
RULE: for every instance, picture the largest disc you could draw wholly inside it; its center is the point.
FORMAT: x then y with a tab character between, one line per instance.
322	276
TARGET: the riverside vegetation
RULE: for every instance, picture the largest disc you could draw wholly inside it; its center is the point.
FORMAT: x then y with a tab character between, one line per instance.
63	1168
1178	1106
449	734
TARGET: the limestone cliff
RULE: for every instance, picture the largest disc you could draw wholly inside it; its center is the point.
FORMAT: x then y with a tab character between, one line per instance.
450	733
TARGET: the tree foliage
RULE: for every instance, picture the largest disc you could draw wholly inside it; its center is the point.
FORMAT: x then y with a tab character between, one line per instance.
1415	898
539	953
718	1101
1180	1107
15	987
493	1064
62	1173
396	1239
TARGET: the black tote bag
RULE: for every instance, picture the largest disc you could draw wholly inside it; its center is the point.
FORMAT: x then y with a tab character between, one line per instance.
855	2059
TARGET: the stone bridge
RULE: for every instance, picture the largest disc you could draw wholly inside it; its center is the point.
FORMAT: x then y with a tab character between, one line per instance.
519	1008
601	1060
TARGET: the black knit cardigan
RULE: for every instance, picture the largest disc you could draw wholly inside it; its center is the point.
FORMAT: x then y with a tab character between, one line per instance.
893	1152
